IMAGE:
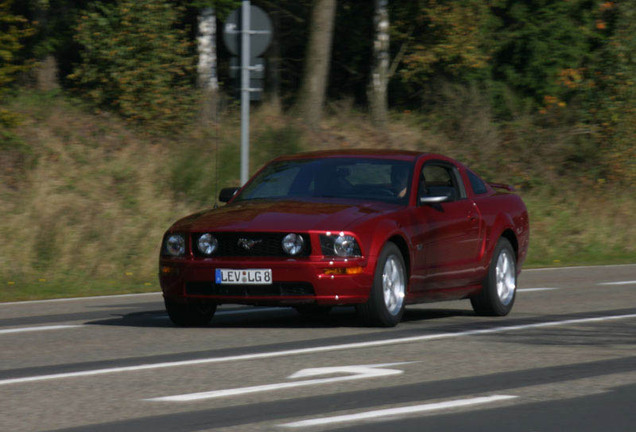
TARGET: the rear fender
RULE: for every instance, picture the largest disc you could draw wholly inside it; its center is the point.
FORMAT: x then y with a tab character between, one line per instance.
502	223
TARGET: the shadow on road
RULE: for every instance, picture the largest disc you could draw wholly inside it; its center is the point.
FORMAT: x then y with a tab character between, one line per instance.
437	320
275	318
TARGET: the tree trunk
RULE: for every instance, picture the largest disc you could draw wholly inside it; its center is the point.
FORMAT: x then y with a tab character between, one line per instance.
206	70
46	74
377	90
314	85
206	46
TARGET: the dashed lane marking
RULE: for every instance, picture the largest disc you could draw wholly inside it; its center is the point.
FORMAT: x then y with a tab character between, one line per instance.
401	411
37	328
536	289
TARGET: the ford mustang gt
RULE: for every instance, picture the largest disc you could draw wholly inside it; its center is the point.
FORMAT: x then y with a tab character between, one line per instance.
374	229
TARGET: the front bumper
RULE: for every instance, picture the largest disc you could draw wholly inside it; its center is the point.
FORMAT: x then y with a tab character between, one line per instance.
295	281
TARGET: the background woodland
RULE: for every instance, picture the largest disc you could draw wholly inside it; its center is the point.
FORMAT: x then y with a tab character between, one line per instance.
117	117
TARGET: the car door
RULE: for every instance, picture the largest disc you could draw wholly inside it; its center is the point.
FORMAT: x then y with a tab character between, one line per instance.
447	243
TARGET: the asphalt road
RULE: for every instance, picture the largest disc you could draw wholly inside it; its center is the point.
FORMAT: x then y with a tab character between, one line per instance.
564	360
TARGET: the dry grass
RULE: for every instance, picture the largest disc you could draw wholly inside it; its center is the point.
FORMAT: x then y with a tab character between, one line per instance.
588	227
89	216
94	206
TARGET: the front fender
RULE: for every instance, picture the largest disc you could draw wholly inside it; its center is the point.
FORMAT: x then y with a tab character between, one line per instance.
375	234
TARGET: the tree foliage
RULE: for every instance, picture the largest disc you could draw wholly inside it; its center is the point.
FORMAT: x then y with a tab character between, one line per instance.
555	77
539	41
136	61
610	83
221	7
13	30
443	37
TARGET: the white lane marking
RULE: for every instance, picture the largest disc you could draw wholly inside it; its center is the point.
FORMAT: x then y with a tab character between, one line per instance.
70	299
578	267
392	412
355	373
301	351
619	283
34	329
536	289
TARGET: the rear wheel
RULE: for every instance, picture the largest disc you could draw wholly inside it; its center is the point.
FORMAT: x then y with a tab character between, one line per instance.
385	305
500	286
191	313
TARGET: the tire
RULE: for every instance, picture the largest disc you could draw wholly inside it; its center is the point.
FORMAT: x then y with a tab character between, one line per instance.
499	289
385	305
190	314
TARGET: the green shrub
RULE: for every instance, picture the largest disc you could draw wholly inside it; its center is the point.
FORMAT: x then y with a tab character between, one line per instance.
136	62
274	142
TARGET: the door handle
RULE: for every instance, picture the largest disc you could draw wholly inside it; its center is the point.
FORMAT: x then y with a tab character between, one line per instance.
473	213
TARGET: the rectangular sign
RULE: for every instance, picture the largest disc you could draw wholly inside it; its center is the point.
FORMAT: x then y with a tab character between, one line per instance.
243	276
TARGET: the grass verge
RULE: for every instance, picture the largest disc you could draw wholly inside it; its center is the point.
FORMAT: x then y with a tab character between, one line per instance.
86	199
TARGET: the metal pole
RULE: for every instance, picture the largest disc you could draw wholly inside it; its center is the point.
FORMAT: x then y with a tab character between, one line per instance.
245	91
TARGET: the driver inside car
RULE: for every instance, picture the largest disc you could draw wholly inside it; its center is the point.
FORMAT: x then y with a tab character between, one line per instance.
399	180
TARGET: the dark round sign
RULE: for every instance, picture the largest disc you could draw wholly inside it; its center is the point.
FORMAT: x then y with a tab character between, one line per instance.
260	28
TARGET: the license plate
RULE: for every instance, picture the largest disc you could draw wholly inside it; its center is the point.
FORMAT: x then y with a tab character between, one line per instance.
243	276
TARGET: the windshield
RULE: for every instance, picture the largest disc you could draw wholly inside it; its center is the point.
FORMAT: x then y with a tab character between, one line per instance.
350	178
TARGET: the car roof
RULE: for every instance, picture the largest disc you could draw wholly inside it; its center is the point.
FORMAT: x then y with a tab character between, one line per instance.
406	155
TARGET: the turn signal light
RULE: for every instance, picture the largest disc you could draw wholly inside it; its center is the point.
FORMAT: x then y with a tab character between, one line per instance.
343	271
167	270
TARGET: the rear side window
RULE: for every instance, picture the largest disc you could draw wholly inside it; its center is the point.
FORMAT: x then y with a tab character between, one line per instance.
478	185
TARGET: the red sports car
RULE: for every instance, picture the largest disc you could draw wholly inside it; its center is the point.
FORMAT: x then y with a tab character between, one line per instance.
374	229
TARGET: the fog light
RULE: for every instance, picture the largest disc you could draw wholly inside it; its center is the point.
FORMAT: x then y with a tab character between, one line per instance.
293	244
207	244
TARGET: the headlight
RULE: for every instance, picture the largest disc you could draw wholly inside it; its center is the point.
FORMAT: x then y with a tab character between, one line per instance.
207	244
293	244
341	245
175	245
346	245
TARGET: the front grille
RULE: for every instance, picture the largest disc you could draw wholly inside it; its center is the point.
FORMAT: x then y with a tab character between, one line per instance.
265	245
277	289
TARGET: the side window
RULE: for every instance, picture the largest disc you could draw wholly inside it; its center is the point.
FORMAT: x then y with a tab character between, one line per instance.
440	180
479	187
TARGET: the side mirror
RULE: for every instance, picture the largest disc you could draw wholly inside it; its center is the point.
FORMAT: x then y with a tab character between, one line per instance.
433	199
227	194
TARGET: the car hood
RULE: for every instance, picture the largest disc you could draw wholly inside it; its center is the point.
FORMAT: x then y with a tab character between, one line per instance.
282	216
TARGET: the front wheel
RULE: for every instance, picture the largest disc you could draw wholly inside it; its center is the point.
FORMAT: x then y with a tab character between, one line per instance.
385	305
190	314
500	286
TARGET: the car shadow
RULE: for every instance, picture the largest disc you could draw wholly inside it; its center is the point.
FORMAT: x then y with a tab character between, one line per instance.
274	318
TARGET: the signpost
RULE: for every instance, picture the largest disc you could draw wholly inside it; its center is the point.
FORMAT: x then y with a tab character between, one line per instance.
255	30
